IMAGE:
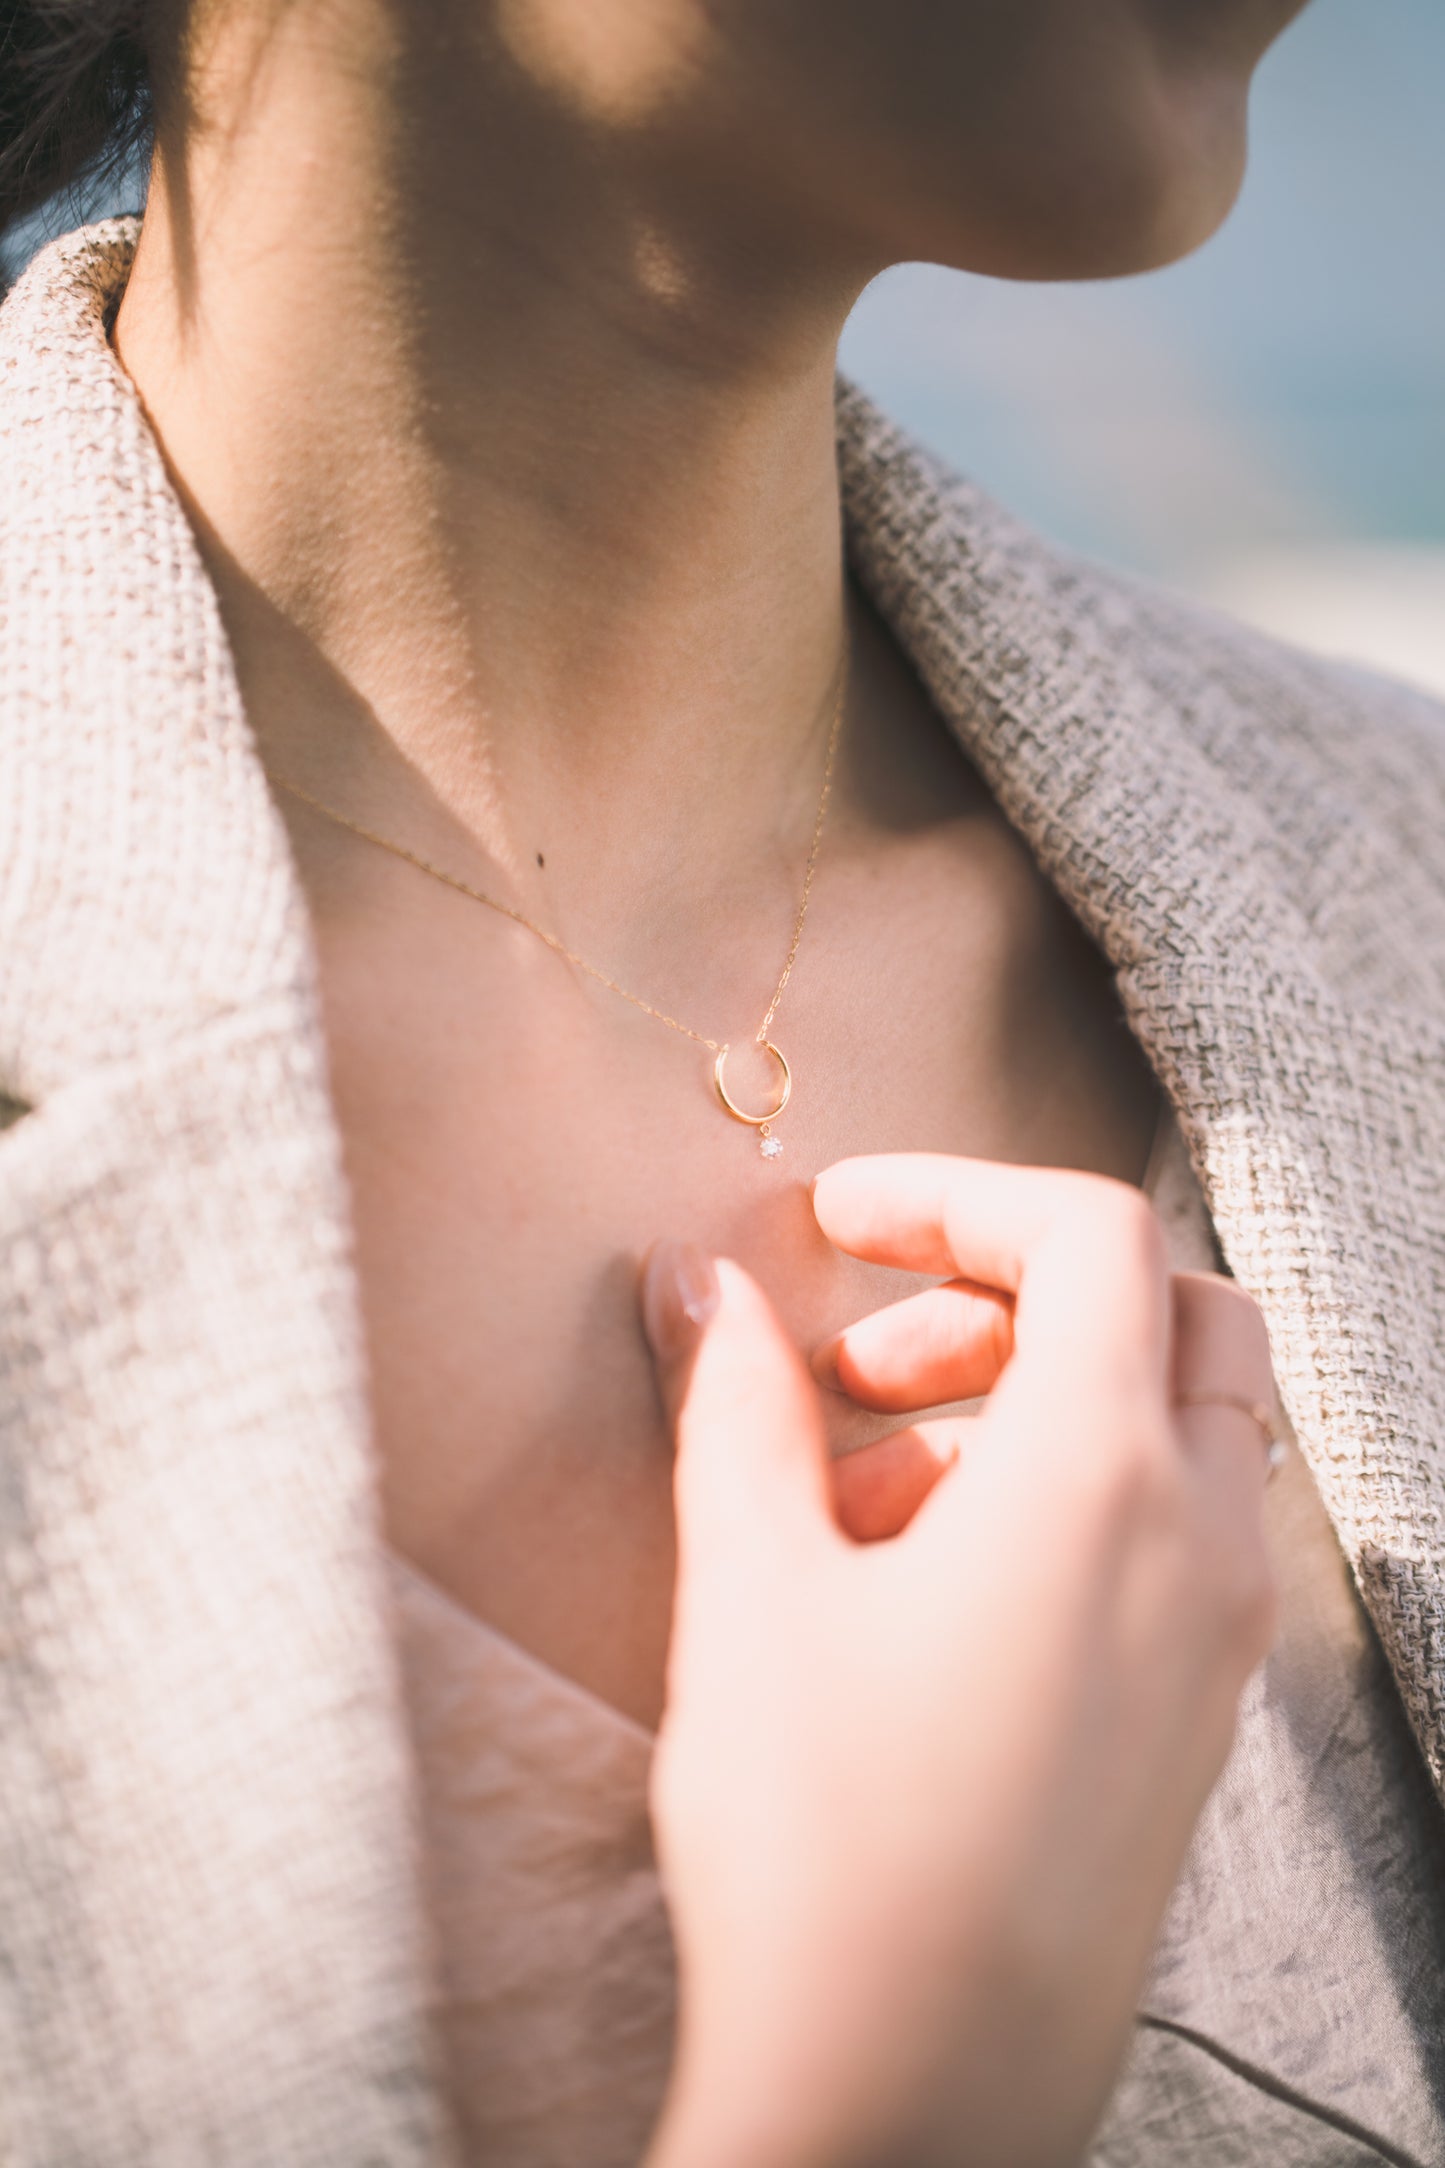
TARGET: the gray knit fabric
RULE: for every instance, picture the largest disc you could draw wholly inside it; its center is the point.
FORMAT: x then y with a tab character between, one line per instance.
211	1938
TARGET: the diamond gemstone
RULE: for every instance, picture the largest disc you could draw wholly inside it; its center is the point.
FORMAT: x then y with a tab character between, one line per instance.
770	1147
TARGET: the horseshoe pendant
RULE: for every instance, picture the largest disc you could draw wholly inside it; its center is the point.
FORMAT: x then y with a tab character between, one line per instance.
770	1145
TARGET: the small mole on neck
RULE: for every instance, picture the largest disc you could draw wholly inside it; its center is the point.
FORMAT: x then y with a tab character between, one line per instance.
540	859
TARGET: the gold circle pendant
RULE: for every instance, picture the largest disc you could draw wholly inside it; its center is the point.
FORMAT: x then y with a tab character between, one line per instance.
754	1121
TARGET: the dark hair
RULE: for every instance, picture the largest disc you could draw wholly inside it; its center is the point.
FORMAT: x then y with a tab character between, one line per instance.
74	95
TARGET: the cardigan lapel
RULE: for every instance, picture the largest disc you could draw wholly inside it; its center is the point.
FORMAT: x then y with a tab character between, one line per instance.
1317	1128
214	1942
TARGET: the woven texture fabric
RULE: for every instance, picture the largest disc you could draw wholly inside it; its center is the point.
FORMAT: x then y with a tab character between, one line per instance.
210	1916
210	1944
1256	840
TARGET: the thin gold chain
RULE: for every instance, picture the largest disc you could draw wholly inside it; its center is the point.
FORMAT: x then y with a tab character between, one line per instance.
560	948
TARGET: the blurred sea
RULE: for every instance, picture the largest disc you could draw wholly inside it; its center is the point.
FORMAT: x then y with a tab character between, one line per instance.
1263	425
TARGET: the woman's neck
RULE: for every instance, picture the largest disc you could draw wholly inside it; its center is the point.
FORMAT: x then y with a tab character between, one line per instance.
507	426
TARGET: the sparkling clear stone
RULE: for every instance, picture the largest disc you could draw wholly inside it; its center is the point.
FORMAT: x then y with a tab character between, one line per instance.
770	1147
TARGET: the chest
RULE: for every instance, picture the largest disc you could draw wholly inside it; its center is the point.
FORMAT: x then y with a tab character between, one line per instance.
517	1136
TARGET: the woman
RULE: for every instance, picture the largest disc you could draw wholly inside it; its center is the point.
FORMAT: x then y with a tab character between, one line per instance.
464	464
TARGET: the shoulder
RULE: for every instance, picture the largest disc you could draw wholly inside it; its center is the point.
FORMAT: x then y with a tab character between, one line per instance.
54	353
1002	574
1381	739
1345	768
67	440
145	885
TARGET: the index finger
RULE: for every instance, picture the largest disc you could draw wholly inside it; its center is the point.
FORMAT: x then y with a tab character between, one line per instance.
1082	1255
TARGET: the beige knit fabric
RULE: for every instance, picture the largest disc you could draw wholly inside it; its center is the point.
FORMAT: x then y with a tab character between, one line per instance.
211	1940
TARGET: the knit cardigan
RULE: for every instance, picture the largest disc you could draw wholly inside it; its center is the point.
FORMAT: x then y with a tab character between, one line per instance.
212	1945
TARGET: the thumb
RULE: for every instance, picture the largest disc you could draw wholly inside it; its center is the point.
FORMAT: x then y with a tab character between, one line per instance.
751	1467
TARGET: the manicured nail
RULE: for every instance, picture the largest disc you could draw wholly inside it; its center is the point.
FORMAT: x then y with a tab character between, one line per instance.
679	1295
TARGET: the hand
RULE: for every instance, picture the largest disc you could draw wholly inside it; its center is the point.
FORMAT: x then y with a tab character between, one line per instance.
920	1803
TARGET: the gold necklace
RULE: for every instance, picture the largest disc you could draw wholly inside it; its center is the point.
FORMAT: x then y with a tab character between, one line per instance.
770	1144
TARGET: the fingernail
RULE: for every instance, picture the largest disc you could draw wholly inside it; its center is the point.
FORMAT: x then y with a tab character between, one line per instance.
679	1295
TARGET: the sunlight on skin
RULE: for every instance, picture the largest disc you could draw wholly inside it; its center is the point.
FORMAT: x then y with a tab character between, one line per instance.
616	64
659	267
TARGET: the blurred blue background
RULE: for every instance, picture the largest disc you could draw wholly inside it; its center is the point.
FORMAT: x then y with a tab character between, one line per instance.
1264	424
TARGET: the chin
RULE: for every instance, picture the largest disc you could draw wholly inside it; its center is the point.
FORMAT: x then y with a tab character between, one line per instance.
1178	207
1110	207
1208	135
